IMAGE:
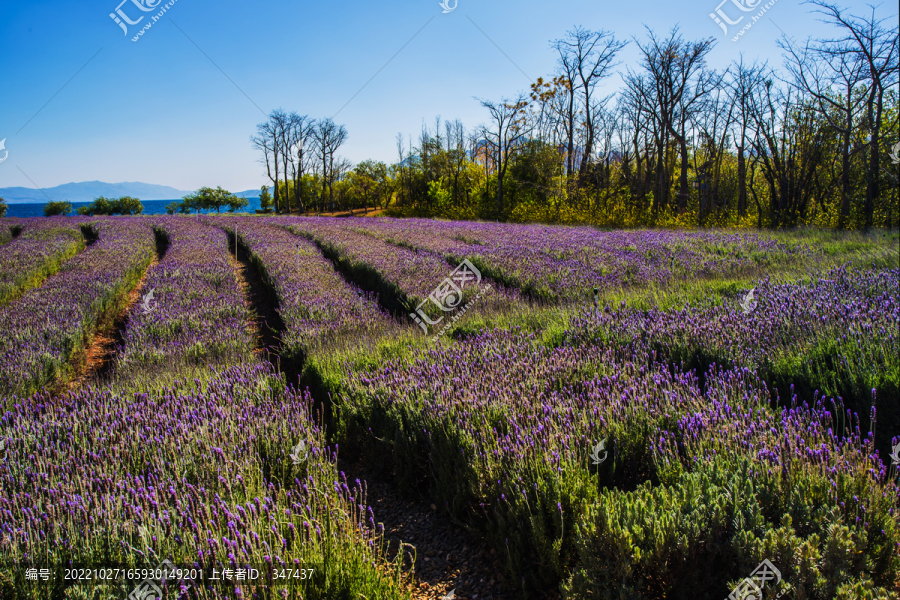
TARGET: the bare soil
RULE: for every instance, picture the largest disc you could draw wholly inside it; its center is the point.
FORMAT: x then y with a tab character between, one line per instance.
264	325
447	557
98	358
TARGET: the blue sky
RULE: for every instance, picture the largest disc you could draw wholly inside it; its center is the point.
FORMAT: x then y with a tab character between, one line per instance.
80	101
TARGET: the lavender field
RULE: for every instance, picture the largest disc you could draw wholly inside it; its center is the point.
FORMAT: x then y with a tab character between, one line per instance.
639	414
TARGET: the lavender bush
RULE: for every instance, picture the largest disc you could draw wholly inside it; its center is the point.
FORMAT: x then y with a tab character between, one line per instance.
315	303
192	311
36	253
500	429
834	333
47	326
200	474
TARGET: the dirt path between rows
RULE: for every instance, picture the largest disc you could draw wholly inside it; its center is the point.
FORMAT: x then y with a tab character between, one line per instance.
450	562
99	358
96	361
265	324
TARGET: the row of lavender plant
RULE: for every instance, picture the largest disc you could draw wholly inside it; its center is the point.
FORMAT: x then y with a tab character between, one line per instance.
231	472
9	229
192	312
316	305
46	327
837	332
567	262
404	277
511	430
36	253
845	303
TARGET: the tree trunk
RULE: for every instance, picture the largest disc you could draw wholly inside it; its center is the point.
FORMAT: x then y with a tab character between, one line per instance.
683	191
276	195
845	180
873	188
742	180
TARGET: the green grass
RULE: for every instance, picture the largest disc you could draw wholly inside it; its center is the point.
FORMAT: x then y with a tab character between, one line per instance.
22	282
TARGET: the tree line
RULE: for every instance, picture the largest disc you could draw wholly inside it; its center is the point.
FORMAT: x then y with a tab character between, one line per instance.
207	198
102	206
681	143
204	199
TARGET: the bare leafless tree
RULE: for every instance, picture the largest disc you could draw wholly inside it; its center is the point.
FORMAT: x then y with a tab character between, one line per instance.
681	81
267	141
831	77
744	80
328	137
875	47
297	151
789	147
586	58
508	129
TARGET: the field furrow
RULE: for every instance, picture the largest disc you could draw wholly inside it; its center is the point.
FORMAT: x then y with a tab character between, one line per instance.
191	311
408	281
316	305
36	253
47	327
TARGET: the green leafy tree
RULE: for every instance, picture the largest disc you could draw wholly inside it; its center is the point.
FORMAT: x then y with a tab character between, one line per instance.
438	196
57	207
369	181
236	203
215	198
207	198
3	207
265	199
191	202
99	206
126	205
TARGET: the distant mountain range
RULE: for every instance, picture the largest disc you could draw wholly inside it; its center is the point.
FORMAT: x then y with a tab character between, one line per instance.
86	191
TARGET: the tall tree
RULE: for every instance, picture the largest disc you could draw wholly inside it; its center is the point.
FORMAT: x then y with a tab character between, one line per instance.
267	142
790	148
299	129
744	80
831	77
588	57
508	129
328	138
876	48
681	80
